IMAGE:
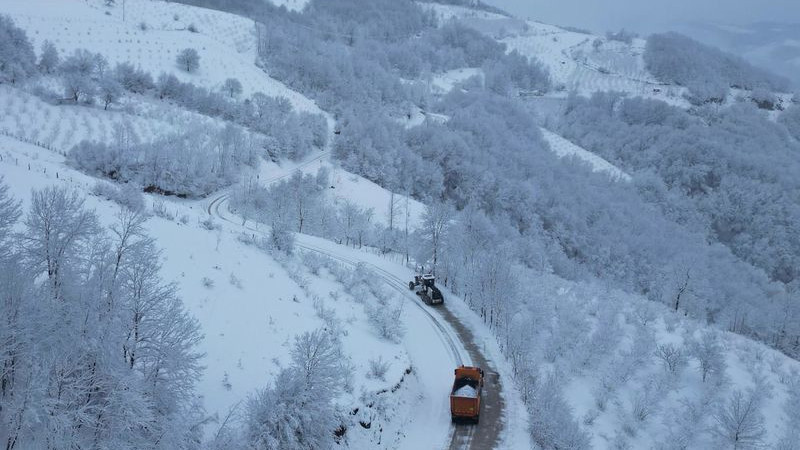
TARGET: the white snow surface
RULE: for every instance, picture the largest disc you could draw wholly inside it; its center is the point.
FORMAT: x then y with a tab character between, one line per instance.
225	42
565	148
444	82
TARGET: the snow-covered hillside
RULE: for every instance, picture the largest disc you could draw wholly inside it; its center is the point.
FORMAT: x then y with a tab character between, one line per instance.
587	341
151	36
577	62
251	306
443	83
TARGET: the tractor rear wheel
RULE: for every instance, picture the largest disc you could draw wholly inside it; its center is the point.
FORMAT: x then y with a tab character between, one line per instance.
411	285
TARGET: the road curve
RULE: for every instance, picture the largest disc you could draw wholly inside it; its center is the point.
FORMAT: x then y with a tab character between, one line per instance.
457	337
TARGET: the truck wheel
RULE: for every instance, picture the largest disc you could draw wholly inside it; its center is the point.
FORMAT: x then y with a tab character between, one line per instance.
477	419
411	285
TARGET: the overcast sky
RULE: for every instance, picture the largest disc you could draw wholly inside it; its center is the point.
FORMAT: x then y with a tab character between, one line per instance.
650	15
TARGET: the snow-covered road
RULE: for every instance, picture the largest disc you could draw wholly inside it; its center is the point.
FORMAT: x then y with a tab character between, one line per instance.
436	342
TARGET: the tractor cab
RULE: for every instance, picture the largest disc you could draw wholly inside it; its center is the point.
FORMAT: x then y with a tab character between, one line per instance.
427	280
424	286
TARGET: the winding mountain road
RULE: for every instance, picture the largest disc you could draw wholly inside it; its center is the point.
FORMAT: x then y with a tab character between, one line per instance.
453	336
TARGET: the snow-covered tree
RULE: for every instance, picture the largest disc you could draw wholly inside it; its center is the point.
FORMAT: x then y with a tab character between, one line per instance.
58	229
49	59
708	353
17	59
109	91
188	59
297	410
433	233
71	301
232	87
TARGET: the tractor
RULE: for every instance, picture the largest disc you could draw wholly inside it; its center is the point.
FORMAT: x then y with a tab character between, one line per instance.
423	285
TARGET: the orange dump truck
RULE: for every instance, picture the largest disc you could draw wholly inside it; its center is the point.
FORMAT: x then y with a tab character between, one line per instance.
465	398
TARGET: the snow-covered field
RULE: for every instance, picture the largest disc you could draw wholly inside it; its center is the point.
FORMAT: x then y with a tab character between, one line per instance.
59	127
575	62
151	37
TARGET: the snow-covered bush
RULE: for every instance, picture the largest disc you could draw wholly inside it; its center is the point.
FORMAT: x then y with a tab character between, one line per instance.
281	238
378	368
384	316
210	224
235	281
133	79
126	195
160	210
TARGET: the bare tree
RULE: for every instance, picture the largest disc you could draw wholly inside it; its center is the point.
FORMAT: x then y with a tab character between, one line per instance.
739	423
435	225
671	356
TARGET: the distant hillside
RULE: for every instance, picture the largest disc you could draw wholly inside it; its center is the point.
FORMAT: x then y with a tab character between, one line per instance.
766	44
